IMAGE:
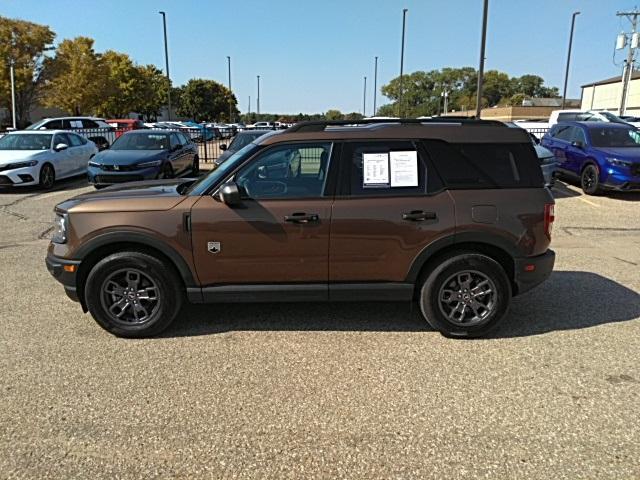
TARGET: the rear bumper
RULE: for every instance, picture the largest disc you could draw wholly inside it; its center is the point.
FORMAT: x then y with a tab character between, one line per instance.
532	271
56	265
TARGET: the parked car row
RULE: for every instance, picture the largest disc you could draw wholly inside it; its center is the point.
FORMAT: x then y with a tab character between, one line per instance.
33	157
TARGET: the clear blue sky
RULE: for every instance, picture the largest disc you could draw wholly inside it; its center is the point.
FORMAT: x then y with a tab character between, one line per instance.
313	55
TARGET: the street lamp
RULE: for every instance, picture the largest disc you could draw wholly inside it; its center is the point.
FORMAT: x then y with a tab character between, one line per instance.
364	98
445	94
230	101
375	85
483	45
166	61
566	73
258	97
404	18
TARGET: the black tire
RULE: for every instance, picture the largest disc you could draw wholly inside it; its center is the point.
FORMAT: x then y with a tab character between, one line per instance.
105	293
195	168
166	171
47	176
492	304
590	180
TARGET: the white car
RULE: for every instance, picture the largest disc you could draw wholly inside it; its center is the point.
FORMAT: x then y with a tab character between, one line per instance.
40	158
93	128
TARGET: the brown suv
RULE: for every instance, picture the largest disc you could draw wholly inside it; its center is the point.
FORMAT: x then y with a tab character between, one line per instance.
453	215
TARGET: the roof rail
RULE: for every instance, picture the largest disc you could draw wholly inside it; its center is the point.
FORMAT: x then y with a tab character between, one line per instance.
321	125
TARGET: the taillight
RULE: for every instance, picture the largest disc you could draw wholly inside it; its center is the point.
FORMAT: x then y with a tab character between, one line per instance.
549	217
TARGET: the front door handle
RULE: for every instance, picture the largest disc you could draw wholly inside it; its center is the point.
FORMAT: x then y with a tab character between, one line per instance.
301	217
419	215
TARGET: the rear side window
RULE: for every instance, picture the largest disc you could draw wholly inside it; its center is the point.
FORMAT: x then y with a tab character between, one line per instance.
383	168
485	165
565	117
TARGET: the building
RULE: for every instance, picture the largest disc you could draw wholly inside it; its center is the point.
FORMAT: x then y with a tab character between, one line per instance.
531	109
607	94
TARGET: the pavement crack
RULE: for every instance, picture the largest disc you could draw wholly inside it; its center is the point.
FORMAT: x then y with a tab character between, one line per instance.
626	261
46	232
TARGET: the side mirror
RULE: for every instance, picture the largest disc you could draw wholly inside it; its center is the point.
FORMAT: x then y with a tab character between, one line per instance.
578	144
230	194
61	146
223	146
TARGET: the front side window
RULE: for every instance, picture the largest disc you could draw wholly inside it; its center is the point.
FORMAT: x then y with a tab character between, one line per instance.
75	140
286	171
175	142
61	138
564	132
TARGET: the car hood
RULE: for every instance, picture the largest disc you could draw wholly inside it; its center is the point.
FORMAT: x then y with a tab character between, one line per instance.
12	156
129	197
127	157
624	153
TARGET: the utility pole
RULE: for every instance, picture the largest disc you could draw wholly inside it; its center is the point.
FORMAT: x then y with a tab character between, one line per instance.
628	69
249	108
445	95
166	61
364	99
230	104
566	73
375	85
483	44
258	99
404	21
13	93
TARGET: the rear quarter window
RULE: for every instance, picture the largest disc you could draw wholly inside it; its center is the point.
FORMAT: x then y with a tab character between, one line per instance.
485	165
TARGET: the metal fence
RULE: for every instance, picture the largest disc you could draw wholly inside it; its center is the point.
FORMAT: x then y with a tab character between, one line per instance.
537	132
207	139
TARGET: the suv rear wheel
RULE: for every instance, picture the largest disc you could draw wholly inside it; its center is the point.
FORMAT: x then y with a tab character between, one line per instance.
466	295
133	294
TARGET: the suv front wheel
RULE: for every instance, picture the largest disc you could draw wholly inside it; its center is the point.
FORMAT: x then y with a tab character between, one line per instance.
466	295
133	294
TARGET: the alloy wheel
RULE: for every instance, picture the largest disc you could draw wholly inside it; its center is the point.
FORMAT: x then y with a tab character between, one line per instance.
47	176
130	297
467	298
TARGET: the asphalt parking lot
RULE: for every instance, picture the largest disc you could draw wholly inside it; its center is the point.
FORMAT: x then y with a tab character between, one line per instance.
328	391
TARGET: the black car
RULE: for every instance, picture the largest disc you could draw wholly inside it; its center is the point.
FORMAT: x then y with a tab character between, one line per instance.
242	139
144	155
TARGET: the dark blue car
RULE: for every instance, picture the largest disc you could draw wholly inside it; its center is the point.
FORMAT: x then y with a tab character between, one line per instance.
144	155
602	156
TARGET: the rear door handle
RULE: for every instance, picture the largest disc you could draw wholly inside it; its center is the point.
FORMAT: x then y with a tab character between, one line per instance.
419	215
301	217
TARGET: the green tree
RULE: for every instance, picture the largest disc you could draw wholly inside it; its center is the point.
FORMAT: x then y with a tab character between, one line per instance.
353	116
121	88
24	43
151	94
533	86
333	115
77	77
206	100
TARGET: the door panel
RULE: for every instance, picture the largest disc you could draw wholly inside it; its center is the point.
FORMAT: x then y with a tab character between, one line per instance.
370	240
257	245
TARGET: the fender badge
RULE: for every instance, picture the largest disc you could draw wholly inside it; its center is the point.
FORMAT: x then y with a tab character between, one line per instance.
213	247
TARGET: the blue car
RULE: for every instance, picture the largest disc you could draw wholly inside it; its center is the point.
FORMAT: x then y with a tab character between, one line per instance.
602	156
144	155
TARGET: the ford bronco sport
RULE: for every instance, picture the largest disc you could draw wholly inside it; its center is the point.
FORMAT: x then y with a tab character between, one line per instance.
451	215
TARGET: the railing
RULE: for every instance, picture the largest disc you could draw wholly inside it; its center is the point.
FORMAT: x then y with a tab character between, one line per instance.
208	139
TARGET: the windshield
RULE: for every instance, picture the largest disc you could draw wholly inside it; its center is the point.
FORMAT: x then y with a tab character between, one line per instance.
141	141
614	137
611	117
36	125
16	141
244	139
203	183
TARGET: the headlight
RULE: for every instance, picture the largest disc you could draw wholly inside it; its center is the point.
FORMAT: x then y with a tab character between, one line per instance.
152	163
60	229
618	162
31	163
95	164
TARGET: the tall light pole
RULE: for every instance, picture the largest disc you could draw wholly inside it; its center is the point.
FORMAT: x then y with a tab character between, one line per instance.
364	98
404	21
166	61
258	99
375	85
566	73
13	93
230	104
483	44
628	66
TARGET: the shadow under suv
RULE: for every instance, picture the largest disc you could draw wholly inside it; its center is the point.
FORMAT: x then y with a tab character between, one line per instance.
451	215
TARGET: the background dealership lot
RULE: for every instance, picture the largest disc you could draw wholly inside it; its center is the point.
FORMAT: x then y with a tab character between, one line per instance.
289	391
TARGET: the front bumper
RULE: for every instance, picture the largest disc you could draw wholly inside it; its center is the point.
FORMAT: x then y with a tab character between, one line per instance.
66	277
617	180
19	177
532	271
97	176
